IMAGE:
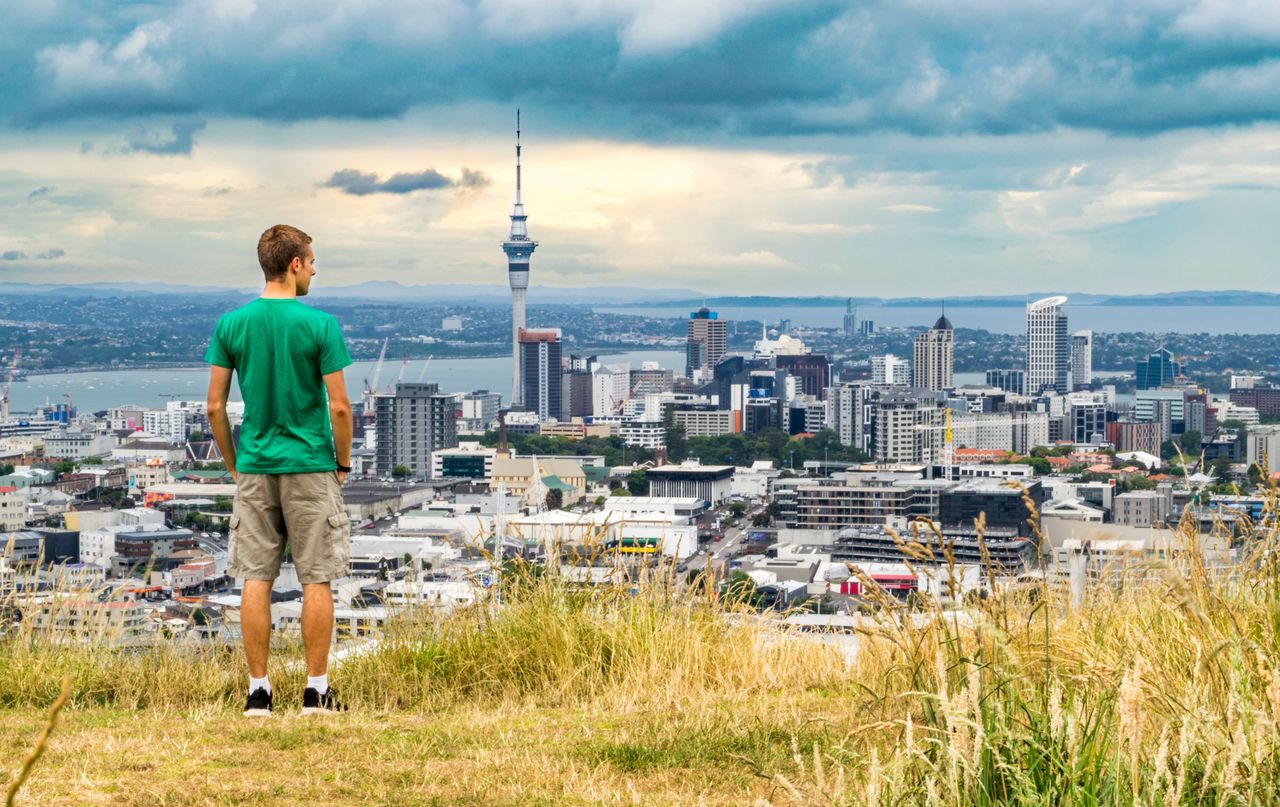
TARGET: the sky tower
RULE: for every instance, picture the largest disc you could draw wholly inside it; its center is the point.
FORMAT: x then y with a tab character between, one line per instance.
518	248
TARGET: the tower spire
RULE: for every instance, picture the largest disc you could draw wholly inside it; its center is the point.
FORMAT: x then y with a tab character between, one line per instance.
517	156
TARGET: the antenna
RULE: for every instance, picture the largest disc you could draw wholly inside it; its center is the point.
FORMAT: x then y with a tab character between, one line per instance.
517	155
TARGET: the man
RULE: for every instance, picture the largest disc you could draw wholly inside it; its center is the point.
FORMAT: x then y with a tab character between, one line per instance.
294	454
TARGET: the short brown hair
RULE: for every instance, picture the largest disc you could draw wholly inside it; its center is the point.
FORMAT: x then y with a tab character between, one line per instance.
277	248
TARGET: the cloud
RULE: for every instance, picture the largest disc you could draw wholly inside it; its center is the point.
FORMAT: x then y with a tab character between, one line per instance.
360	183
50	255
662	69
13	255
40	192
181	140
910	208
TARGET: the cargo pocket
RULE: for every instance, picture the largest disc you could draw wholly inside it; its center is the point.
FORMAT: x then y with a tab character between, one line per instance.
232	533
339	542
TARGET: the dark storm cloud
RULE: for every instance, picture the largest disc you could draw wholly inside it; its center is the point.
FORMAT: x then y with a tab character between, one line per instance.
360	183
649	70
13	255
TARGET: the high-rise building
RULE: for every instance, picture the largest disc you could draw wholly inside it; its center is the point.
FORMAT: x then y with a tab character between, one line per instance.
1156	370
518	248
934	358
1081	360
412	423
540	372
812	371
850	318
705	344
889	369
1048	347
1012	380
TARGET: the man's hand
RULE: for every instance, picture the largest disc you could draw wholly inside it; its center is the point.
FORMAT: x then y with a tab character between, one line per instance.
342	477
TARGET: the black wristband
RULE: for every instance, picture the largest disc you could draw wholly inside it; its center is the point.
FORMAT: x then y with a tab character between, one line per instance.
346	469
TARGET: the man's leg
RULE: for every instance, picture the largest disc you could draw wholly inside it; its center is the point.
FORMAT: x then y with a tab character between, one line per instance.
255	625
317	626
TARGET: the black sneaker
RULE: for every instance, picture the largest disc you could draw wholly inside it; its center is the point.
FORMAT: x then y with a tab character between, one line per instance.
259	703
313	703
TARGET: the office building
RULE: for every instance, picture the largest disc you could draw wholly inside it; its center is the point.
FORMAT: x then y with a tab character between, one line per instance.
850	323
705	343
1012	380
540	372
1128	435
411	424
1048	347
1081	360
465	461
934	357
169	425
1265	400
690	479
478	411
812	372
890	370
650	379
1156	370
519	249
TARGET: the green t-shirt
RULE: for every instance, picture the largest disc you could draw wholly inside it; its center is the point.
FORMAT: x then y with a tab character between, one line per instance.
279	349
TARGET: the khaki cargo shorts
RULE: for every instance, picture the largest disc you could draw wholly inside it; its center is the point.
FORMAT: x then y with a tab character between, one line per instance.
304	511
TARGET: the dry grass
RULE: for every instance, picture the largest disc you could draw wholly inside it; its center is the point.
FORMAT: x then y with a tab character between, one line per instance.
1165	691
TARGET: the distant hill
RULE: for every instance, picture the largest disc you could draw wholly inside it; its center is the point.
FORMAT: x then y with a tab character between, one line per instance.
632	296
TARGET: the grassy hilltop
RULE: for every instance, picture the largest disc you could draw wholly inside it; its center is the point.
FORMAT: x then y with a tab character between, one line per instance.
1165	691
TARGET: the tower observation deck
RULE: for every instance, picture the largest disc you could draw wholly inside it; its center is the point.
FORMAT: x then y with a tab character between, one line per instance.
518	248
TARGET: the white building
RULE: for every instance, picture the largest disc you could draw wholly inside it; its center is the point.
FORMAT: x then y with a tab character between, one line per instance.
77	445
170	425
1263	447
1048	347
13	512
889	369
468	460
610	388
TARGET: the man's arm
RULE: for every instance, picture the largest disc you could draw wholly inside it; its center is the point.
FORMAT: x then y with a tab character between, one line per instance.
219	389
339	417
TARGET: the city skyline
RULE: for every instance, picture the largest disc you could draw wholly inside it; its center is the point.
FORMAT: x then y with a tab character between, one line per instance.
1131	151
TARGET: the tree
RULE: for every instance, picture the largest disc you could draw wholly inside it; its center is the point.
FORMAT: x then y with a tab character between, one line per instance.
64	467
638	483
1040	465
555	498
677	443
1221	470
1190	442
762	519
6	469
740	588
400	472
737	508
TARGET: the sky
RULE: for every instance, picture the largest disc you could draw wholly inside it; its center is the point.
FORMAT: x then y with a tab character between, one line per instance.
897	148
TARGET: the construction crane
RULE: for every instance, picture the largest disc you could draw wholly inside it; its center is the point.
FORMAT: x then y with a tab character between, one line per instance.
371	389
404	365
8	382
425	365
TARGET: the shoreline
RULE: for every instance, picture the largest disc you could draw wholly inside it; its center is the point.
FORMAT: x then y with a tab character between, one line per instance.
107	368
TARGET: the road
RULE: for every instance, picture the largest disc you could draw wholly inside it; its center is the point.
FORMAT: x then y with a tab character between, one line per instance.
722	550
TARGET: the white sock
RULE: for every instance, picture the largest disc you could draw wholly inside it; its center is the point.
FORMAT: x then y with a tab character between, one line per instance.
259	683
320	683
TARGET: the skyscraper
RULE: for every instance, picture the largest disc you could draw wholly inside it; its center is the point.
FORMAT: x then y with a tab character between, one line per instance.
1156	370
705	344
1048	347
1081	360
934	357
540	371
518	248
850	318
